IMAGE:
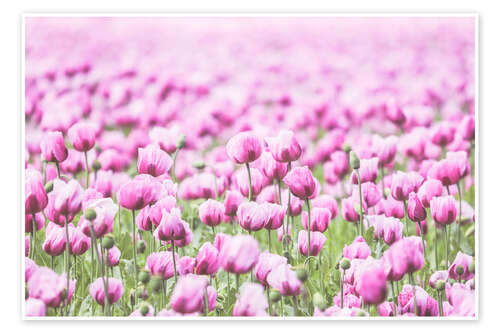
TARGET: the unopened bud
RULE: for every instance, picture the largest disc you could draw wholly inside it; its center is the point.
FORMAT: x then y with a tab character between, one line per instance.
319	301
144	309
346	147
345	264
440	285
181	142
90	214
302	275
108	242
49	187
141	246
96	165
199	164
360	313
354	160
275	296
144	277
156	284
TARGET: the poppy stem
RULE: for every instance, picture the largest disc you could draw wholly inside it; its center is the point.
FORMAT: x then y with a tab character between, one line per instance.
459	215
249	182
361	227
134	245
173	259
87	170
308	227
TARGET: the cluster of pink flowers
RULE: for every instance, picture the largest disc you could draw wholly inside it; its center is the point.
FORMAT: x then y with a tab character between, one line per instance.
323	177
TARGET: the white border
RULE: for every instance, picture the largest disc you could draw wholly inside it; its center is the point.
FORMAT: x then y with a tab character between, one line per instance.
268	14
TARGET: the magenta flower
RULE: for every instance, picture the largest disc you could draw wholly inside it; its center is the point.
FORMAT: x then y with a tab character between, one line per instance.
186	265
207	260
242	181
251	301
211	212
447	171
438	276
285	147
136	194
463	260
275	215
317	241
244	147
35	196
79	243
320	219
188	294
266	263
385	149
426	305
53	147
328	202
29	268
231	202
371	282
82	136
405	256
28	222
154	161
416	211
67	197
34	308
284	279
368	171
444	210
161	264
239	254
301	182
55	240
430	188
115	290
171	227
106	211
252	216
358	249
270	167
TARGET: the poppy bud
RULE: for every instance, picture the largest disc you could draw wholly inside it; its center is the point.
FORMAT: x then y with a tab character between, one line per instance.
199	165
132	297
346	147
141	246
360	313
96	165
440	285
49	187
156	284
354	160
345	264
275	296
319	301
90	214
144	309
302	275
144	277
108	242
143	293
181	142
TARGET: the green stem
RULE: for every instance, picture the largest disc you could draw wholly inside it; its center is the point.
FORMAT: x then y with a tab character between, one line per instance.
406	217
295	306
459	215
382	178
206	302
342	289
360	204
173	259
172	172
415	308
447	243
395	309
58	170
440	298
308	227
422	236
268	301
87	170
237	282
68	257
269	239
249	182
134	247
33	237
